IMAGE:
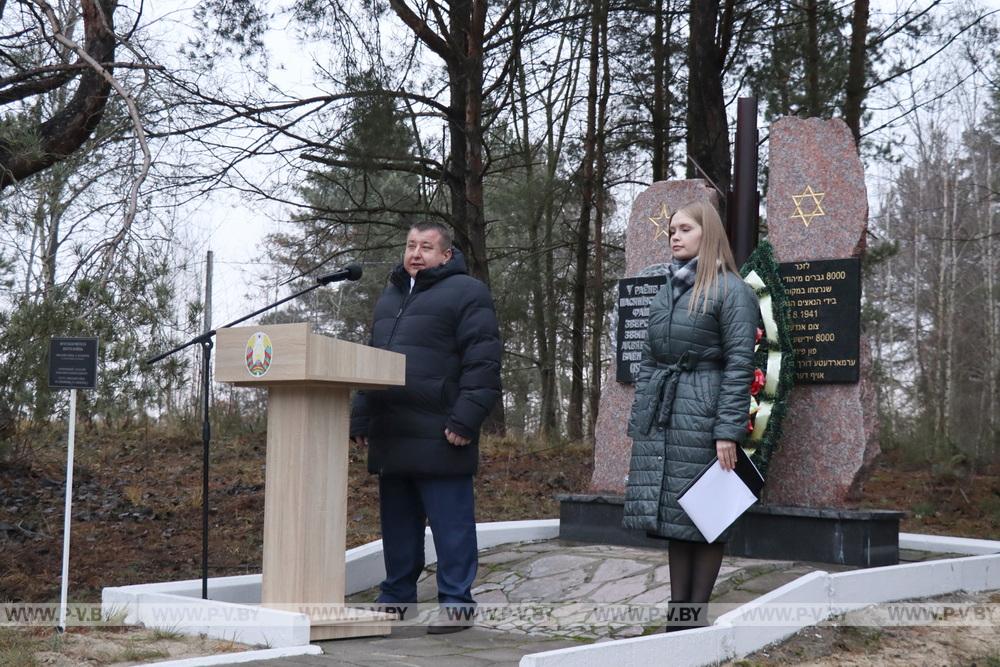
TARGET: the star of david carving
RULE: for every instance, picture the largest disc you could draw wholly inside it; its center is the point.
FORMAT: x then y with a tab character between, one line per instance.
661	222
817	205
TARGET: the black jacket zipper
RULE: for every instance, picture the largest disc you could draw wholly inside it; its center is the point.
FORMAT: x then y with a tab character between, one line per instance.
402	307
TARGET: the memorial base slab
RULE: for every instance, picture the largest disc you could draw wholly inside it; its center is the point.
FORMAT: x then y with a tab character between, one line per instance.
859	538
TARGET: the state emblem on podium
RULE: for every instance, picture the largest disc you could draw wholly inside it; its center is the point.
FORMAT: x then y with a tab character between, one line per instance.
259	353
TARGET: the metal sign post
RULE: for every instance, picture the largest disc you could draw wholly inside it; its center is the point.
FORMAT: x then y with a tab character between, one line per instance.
72	365
64	588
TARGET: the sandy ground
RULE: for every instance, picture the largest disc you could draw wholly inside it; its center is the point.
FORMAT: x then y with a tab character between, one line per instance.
836	643
23	647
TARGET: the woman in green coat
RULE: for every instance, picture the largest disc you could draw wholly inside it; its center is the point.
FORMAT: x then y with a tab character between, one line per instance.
692	399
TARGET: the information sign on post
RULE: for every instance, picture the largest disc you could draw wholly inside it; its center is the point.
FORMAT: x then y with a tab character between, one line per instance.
72	365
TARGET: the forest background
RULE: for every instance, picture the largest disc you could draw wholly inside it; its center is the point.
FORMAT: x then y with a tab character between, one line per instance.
526	126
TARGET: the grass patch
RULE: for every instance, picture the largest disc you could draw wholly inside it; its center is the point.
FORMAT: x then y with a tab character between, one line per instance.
133	652
924	508
991	509
113	619
228	646
18	647
158	634
858	639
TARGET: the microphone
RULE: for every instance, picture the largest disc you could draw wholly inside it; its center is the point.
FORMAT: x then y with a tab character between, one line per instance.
349	272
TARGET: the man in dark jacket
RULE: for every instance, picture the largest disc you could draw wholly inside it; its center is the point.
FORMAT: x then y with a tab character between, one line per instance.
423	438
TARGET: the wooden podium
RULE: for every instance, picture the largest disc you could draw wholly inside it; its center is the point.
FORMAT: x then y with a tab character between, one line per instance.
309	378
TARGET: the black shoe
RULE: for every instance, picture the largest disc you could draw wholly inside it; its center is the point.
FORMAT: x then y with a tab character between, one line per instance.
686	616
450	620
437	628
401	610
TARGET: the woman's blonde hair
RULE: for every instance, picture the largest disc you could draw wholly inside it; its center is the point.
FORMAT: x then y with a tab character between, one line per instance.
714	253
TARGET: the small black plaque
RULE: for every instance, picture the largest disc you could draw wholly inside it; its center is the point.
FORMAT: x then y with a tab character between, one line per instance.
634	297
824	311
73	363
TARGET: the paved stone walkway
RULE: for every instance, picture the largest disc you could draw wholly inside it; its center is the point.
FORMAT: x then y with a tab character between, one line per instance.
568	578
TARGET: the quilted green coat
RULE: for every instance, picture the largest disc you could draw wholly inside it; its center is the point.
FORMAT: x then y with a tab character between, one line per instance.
693	388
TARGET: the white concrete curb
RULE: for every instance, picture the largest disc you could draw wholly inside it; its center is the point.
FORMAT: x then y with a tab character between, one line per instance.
945	544
246	656
684	648
233	611
188	614
728	639
745	639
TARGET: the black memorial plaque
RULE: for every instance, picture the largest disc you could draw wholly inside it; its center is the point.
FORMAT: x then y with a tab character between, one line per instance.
824	299
634	297
73	363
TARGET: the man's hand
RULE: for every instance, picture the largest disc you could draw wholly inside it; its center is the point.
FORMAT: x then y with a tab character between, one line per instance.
360	440
726	451
456	439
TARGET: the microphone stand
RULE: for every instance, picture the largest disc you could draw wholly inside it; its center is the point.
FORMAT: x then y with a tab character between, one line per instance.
205	340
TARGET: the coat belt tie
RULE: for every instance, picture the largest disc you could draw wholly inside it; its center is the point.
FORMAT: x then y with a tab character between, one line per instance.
663	386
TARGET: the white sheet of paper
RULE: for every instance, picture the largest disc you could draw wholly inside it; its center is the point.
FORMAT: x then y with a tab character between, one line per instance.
717	499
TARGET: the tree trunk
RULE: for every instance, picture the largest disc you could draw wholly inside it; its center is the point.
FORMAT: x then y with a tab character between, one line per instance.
781	84
950	307
475	209
993	365
857	69
550	376
708	126
597	329
50	215
983	227
812	60
919	348
574	416
888	368
475	202
661	118
457	153
547	300
940	351
462	52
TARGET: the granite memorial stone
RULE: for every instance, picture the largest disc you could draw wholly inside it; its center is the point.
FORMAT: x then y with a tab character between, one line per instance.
817	209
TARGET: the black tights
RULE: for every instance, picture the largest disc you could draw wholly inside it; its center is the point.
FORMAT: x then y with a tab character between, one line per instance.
694	567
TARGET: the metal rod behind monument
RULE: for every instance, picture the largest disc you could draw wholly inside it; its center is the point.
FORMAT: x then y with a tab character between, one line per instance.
743	215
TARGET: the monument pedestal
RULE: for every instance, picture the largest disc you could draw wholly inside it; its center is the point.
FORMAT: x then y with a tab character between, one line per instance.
859	538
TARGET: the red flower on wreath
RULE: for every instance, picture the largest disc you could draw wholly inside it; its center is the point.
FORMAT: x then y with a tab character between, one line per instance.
758	382
759	335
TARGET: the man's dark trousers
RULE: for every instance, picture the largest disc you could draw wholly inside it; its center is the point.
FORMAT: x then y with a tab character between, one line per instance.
405	504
